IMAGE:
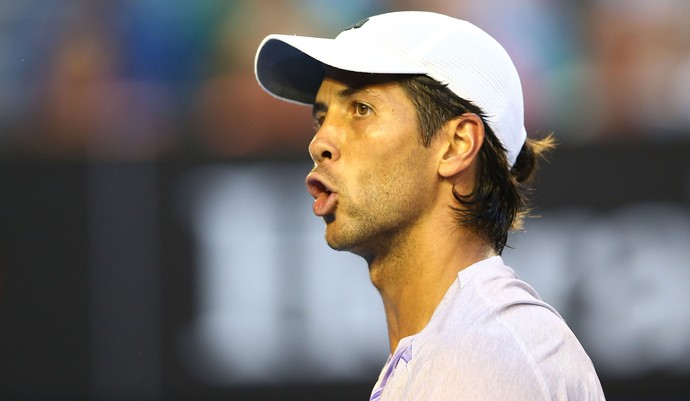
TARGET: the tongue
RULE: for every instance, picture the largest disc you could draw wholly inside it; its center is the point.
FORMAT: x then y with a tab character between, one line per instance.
325	204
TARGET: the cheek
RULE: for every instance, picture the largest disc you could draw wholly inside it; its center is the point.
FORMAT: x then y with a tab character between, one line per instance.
382	182
385	169
367	184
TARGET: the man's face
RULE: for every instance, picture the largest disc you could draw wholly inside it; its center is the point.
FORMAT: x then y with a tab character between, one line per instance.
372	178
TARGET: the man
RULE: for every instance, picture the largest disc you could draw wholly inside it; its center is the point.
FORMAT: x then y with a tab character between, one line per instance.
420	155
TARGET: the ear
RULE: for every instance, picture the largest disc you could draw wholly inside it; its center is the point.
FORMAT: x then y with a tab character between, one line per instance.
464	138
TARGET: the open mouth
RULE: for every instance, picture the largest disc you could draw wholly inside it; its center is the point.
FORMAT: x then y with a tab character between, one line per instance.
317	188
325	200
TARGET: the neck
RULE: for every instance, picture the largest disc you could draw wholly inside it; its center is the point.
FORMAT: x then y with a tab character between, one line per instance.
414	275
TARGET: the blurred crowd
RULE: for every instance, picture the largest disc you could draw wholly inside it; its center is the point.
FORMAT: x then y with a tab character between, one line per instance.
145	79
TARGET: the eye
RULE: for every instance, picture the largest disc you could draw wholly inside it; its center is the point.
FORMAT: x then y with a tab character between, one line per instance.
318	122
362	109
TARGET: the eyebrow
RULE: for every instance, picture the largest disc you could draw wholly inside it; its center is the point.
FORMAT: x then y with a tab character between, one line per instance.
320	107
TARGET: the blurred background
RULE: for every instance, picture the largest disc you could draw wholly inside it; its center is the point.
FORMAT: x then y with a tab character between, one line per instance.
157	243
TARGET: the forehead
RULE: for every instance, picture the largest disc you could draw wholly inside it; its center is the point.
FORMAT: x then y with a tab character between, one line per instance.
345	84
357	82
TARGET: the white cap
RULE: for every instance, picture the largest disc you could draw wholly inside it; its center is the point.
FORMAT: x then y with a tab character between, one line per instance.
454	52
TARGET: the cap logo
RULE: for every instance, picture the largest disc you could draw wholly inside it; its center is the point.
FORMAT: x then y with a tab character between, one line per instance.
357	25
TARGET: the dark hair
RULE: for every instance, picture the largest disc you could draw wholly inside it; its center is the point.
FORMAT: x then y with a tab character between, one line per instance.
498	202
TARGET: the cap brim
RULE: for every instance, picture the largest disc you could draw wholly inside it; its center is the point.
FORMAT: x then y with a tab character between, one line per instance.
292	67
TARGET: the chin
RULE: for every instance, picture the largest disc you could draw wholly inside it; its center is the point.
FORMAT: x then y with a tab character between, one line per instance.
338	241
356	245
337	244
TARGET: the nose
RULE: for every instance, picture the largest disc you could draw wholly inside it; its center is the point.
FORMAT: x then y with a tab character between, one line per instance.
323	146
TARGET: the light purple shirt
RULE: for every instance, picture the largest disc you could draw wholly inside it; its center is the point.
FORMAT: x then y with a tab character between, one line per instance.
490	338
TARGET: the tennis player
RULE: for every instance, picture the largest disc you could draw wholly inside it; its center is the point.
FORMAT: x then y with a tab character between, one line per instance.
421	161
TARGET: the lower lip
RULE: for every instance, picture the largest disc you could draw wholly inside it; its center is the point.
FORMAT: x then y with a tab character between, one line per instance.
325	204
